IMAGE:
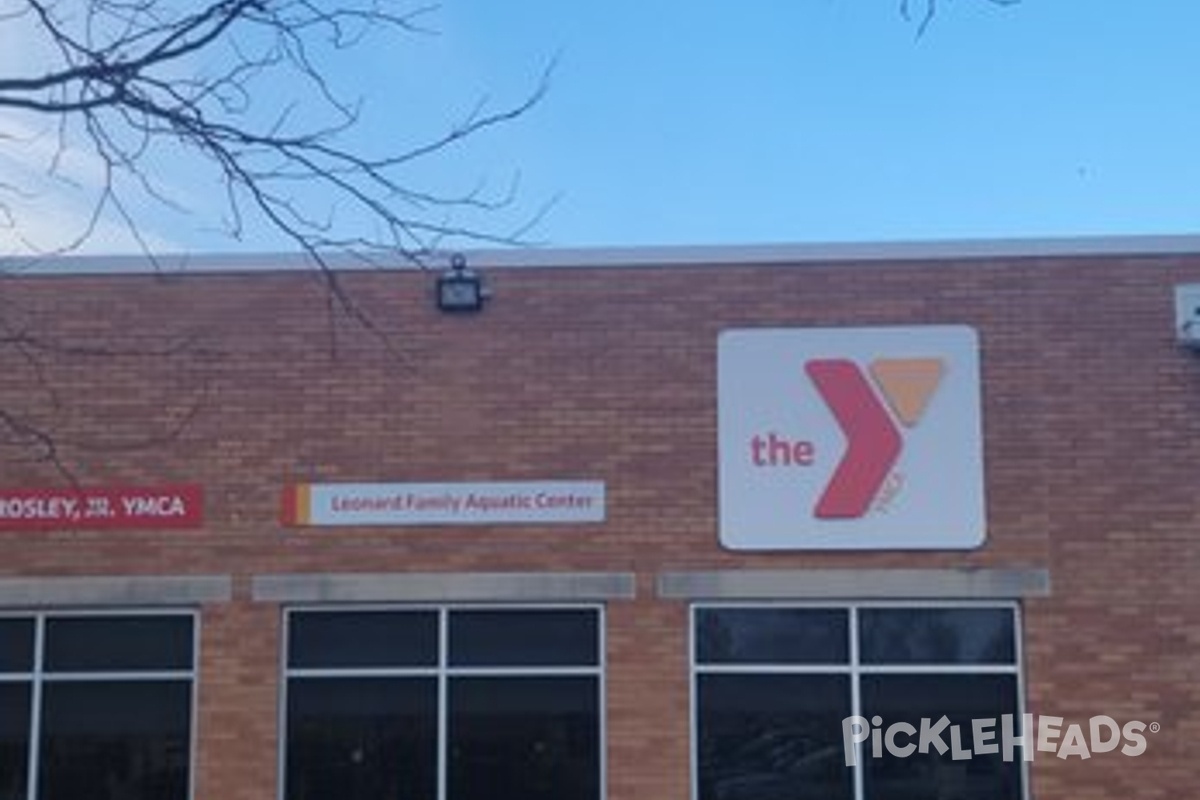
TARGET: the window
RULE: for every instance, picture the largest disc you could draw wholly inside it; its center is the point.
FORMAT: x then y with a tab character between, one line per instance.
96	706
443	704
773	685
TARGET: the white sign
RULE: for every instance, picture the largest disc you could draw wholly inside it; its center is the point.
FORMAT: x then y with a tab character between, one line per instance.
396	504
850	438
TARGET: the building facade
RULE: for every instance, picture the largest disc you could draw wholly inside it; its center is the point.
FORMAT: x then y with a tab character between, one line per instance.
680	524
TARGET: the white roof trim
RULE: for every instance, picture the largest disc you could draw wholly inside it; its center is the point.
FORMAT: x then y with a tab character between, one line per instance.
642	256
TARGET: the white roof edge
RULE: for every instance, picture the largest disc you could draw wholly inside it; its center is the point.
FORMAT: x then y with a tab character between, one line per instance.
634	256
801	253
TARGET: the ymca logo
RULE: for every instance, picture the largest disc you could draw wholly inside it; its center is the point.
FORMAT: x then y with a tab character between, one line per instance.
873	441
850	438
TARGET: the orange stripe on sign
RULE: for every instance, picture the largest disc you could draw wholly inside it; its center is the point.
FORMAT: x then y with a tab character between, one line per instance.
297	504
908	384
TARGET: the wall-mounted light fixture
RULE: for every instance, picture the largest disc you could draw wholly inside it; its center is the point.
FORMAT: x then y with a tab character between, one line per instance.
460	288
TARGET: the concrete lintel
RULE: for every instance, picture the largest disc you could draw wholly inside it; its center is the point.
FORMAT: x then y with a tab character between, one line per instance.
114	590
853	584
443	587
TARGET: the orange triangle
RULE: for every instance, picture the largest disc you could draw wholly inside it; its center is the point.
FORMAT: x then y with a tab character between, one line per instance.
908	384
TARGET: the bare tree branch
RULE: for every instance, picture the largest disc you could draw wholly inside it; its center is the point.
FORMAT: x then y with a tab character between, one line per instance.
245	89
44	420
929	9
132	82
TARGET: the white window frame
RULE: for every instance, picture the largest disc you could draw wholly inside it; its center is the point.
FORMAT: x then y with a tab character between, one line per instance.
852	667
442	672
38	677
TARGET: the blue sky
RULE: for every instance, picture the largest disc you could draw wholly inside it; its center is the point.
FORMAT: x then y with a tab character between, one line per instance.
673	122
817	120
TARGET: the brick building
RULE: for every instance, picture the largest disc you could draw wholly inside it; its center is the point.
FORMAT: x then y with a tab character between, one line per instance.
256	549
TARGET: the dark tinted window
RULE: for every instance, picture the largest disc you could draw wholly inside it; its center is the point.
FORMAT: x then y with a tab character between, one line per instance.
111	740
937	636
108	644
767	731
523	638
319	639
961	698
362	739
772	636
16	646
385	735
772	737
527	738
14	739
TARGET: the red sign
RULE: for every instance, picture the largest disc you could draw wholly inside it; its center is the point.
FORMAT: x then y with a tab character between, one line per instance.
124	507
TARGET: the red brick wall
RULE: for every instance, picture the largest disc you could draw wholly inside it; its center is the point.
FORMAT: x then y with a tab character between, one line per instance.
243	383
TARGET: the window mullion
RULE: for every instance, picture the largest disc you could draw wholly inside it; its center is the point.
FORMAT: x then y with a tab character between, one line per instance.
35	711
443	692
856	699
1022	704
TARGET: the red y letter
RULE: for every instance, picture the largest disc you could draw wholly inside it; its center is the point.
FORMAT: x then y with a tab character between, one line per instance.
872	441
